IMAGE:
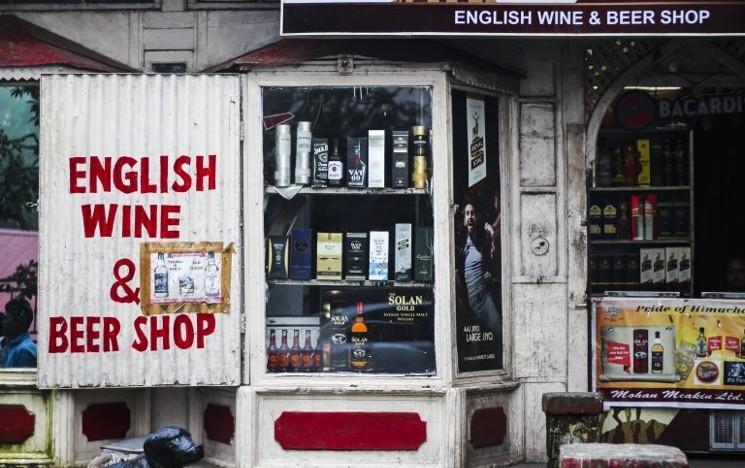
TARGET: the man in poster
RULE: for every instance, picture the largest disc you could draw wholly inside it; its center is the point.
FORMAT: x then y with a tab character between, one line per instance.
476	268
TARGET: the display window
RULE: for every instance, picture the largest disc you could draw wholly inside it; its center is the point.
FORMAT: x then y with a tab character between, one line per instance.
19	189
348	226
664	194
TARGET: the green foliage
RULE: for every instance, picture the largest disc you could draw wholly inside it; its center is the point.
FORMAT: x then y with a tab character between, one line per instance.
19	168
23	281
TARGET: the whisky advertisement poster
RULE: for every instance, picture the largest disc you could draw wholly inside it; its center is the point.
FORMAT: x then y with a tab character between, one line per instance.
476	142
477	233
511	17
679	353
139	282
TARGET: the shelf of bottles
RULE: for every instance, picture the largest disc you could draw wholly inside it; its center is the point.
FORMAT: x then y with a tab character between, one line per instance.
640	212
348	228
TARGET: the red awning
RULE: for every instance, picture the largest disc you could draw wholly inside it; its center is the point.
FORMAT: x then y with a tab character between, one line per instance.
295	51
23	44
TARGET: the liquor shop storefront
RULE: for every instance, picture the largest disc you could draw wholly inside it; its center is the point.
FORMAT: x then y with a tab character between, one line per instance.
383	252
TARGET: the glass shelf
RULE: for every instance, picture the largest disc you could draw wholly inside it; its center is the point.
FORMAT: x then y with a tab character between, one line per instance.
670	188
271	190
356	283
640	242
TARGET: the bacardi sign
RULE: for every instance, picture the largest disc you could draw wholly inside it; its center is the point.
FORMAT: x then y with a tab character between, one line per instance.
515	17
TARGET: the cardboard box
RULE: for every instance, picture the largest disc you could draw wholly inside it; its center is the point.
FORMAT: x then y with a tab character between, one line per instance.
400	170
424	258
277	257
355	255
376	158
301	254
402	257
671	267
378	269
329	256
356	166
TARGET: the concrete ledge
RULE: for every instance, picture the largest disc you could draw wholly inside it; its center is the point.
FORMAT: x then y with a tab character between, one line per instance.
572	403
620	455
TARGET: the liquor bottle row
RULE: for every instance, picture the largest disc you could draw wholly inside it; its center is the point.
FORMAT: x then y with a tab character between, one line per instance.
659	269
353	255
323	162
643	162
705	346
342	346
638	217
295	359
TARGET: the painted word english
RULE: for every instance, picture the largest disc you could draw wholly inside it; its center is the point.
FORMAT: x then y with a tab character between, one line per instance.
496	18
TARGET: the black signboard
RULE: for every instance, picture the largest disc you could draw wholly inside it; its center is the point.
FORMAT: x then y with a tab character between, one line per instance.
515	17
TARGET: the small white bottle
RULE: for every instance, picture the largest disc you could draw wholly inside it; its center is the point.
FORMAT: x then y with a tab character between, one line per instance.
160	277
211	276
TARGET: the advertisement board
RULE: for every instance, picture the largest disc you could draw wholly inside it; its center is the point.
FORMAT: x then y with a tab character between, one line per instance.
139	231
512	17
679	353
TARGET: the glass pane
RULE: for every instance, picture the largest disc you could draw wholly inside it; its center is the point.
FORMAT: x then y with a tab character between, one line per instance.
723	428
349	232
477	232
19	180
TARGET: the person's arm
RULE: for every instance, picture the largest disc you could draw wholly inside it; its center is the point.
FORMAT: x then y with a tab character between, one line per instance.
23	358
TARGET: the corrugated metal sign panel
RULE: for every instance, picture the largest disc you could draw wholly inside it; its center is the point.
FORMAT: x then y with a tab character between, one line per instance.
139	189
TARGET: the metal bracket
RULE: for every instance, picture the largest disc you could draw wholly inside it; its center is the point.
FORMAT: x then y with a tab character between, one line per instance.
345	65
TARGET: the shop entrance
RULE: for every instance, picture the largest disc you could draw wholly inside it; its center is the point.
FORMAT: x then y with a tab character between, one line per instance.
665	219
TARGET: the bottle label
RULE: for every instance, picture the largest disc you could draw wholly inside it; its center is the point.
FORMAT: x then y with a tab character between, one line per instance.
657	361
336	170
160	284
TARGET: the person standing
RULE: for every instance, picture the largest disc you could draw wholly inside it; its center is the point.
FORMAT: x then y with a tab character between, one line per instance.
17	349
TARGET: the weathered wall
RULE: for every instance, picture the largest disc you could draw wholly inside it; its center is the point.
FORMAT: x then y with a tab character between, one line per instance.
549	314
139	38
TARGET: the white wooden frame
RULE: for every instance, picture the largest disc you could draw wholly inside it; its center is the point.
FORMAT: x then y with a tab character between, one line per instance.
254	370
255	358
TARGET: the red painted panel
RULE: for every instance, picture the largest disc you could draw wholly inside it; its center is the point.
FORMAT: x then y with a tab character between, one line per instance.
219	423
16	424
488	427
300	430
104	421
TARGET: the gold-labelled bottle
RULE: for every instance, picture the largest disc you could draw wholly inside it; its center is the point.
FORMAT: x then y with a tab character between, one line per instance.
358	358
284	354
272	354
701	344
306	358
657	354
419	146
295	352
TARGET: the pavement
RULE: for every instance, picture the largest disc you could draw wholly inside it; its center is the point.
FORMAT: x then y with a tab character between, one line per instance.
694	461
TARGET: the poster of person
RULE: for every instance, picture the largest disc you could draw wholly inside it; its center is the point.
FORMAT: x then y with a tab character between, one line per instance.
477	233
678	353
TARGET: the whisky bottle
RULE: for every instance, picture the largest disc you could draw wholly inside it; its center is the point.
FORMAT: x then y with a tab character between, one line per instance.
622	230
295	352
358	334
742	346
680	163
306	357
339	357
419	143
284	354
160	277
667	160
317	356
211	277
641	351
701	344
272	354
657	354
336	166
617	179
